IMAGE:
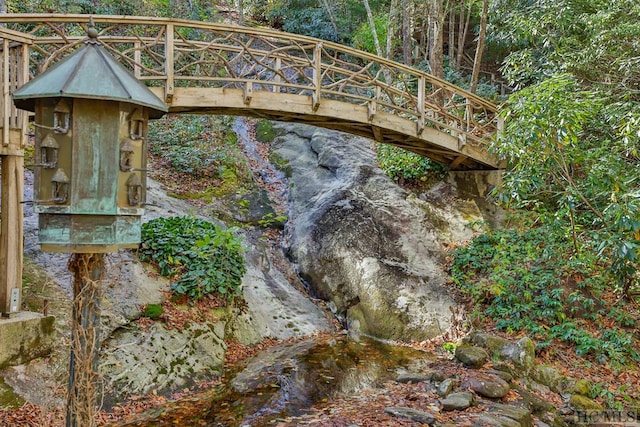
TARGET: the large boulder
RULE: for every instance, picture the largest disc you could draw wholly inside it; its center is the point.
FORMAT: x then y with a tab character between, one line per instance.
359	240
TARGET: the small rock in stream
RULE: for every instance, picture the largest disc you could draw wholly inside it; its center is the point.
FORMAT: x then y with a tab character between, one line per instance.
412	378
471	356
486	420
447	386
488	385
521	415
411	414
457	401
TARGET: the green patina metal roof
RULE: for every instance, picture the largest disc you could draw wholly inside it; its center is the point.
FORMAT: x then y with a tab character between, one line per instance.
92	73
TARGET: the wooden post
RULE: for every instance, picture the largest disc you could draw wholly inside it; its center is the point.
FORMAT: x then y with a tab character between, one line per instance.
317	76
421	101
137	59
6	94
276	78
11	246
14	72
82	397
168	64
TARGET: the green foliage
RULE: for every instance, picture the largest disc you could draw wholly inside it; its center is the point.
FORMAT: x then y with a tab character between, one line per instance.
200	256
402	164
265	131
198	145
153	311
576	167
310	17
485	88
449	347
528	281
306	17
594	40
271	220
363	37
191	9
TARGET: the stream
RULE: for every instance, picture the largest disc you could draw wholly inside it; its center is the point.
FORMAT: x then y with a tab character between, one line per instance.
274	180
287	379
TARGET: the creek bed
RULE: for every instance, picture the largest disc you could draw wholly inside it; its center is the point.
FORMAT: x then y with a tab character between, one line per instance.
287	380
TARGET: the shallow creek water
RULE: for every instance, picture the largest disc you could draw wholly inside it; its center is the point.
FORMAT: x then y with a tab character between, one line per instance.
287	379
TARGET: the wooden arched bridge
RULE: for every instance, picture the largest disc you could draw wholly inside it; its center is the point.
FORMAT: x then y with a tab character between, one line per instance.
198	67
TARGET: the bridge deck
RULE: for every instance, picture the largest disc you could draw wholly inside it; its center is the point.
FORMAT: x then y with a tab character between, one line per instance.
382	127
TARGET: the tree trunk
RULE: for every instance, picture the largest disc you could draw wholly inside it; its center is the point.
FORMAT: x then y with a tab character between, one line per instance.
477	61
393	11
452	34
406	31
240	12
463	27
436	20
372	24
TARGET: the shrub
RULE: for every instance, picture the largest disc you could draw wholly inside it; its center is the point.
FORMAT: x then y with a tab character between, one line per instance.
199	256
398	163
529	281
153	311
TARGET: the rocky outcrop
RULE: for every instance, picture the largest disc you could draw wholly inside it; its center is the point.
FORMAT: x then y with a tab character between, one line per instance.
274	308
366	245
159	359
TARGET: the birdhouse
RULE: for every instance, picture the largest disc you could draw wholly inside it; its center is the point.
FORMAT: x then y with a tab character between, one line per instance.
91	118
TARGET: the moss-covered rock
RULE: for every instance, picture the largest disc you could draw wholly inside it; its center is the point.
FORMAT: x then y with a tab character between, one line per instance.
582	387
493	343
521	355
265	131
549	376
583	403
153	311
471	355
521	415
24	337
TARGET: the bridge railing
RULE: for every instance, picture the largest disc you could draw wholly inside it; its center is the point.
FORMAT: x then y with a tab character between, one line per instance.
177	53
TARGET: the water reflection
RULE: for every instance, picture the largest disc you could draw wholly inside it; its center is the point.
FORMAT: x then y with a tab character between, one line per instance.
286	380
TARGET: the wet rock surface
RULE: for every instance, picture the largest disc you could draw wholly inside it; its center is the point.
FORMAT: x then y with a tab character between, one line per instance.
487	385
